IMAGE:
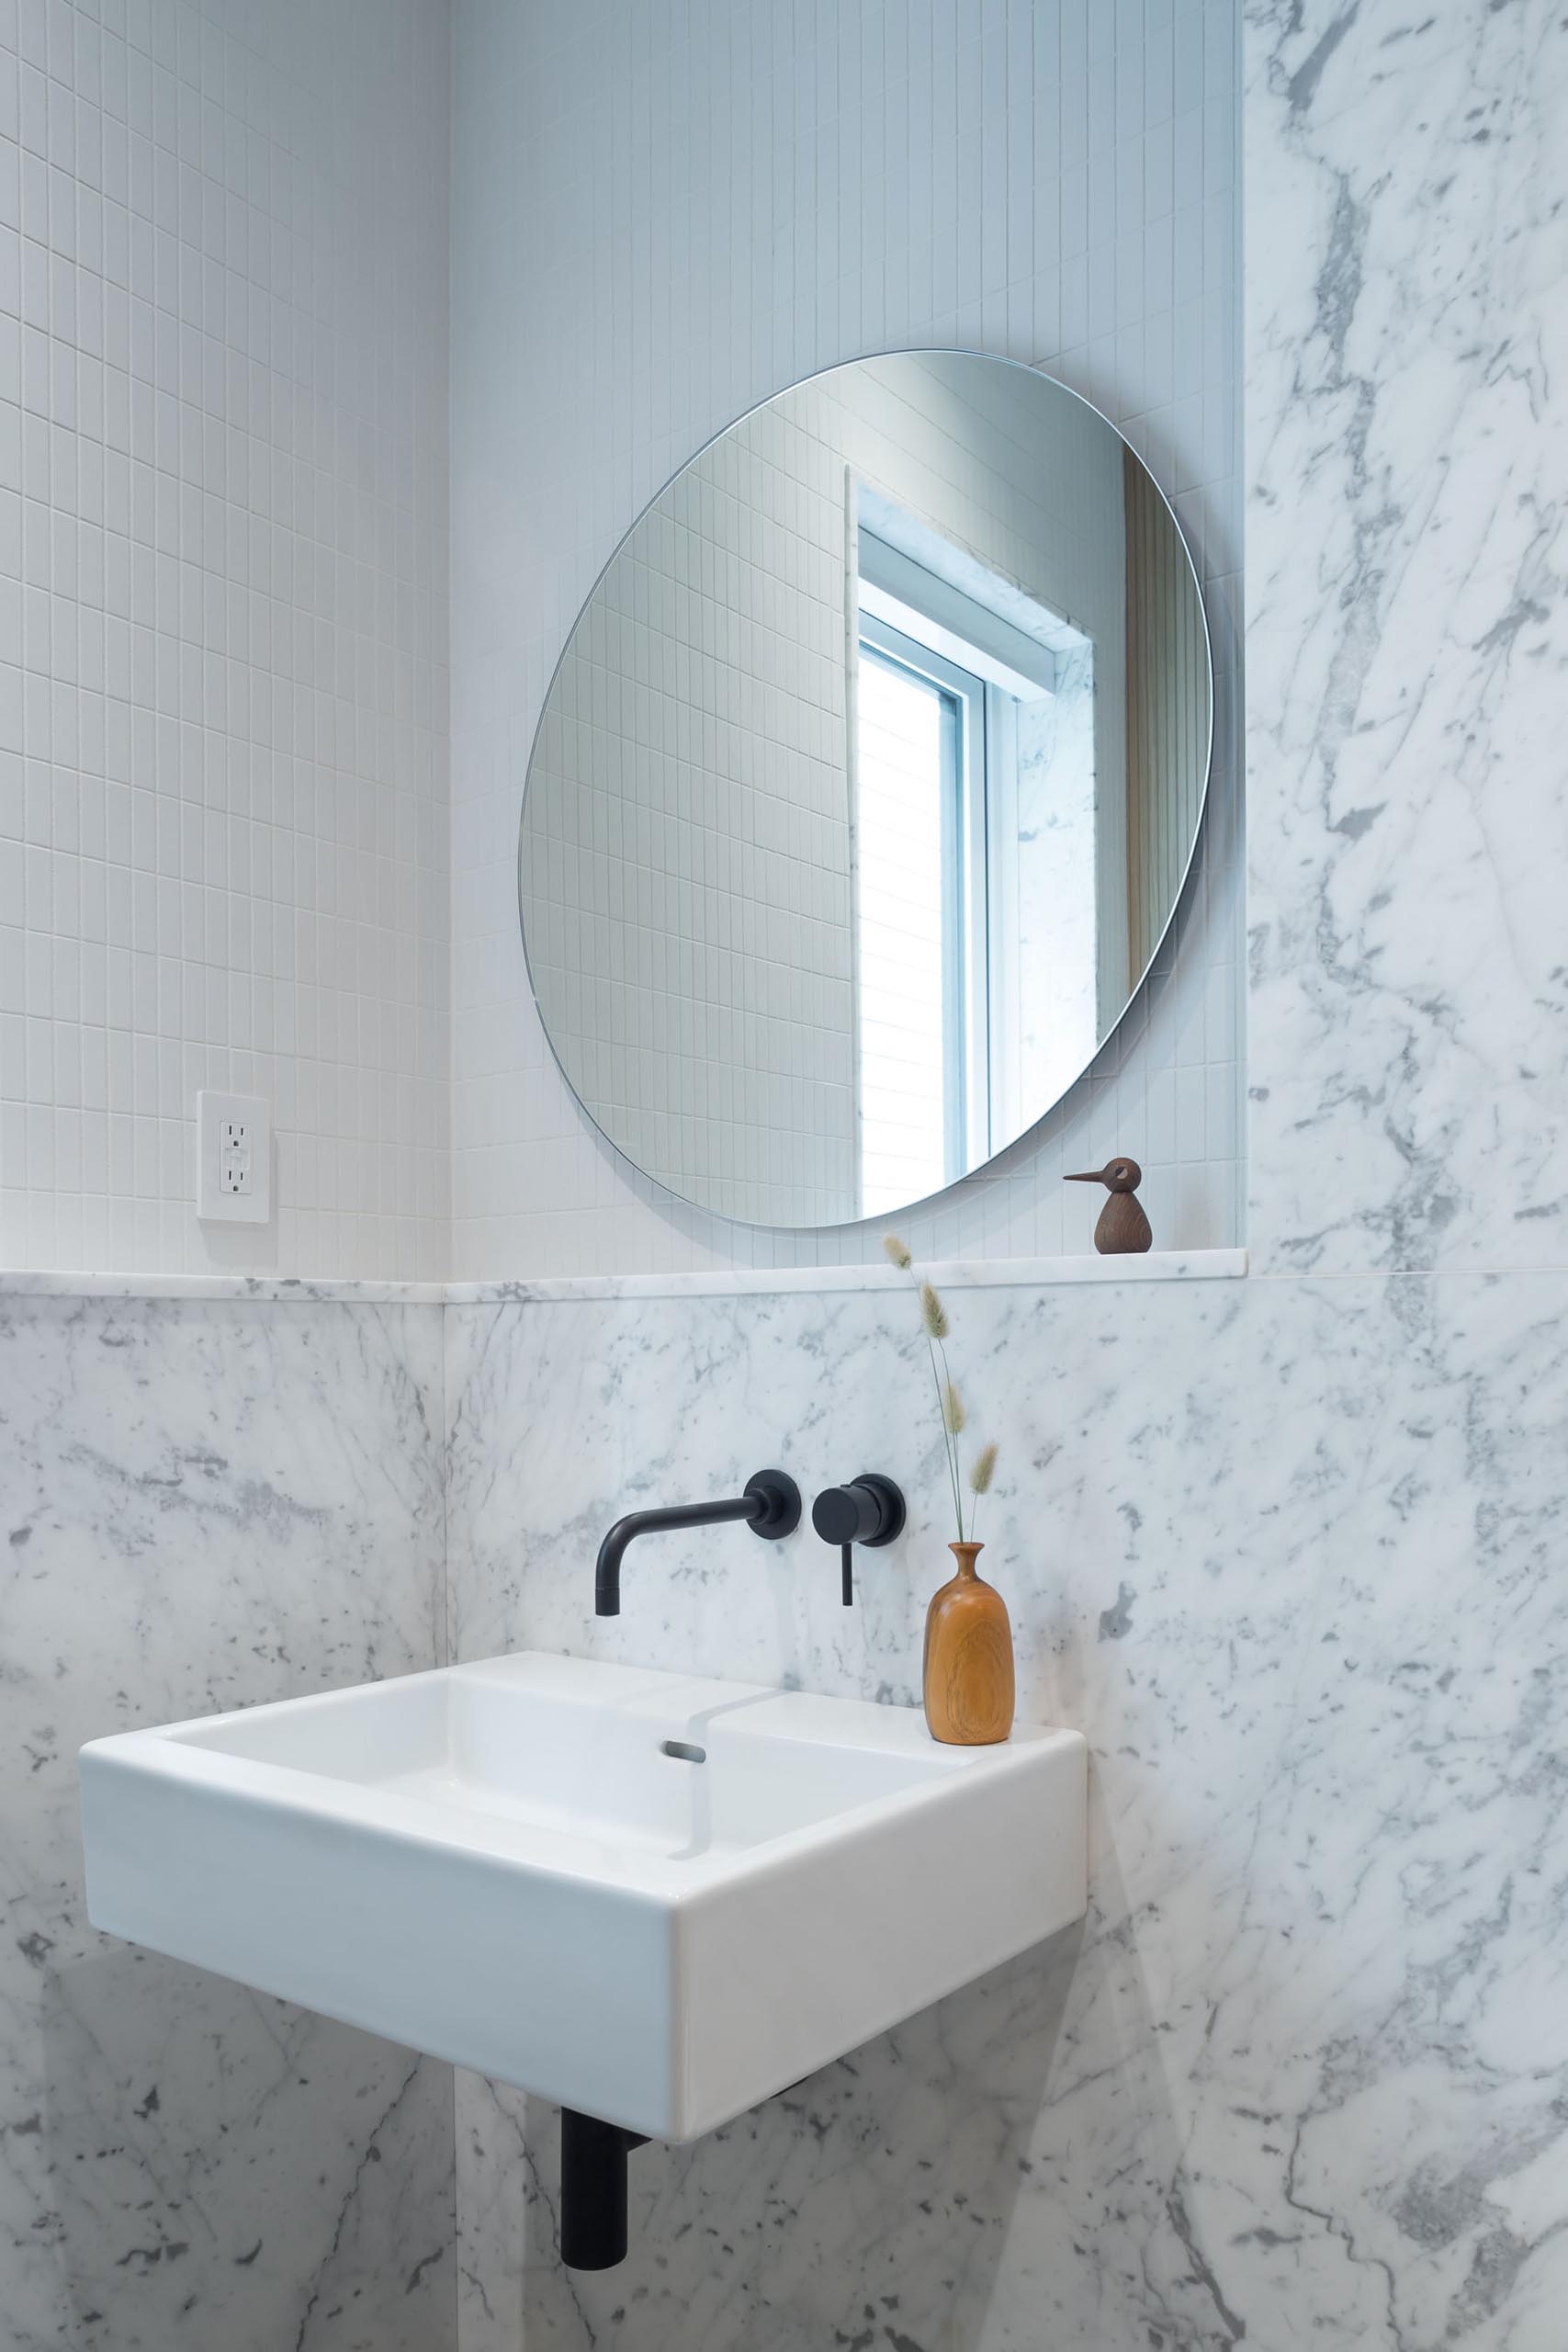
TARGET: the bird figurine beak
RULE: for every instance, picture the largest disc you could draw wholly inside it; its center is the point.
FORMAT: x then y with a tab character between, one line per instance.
1089	1176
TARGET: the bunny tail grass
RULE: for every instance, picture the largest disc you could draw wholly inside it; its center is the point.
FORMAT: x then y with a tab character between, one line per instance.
933	1314
981	1471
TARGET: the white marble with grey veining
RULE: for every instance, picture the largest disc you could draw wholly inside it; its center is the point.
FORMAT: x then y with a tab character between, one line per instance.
1084	1266
203	1504
1406	632
1291	1555
954	1273
276	1290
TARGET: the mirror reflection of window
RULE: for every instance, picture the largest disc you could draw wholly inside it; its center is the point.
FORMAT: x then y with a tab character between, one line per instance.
909	927
973	858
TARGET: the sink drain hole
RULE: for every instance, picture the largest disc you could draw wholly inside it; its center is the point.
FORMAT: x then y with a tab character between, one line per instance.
683	1751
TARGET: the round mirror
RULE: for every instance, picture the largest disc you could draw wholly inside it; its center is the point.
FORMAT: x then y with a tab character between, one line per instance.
865	787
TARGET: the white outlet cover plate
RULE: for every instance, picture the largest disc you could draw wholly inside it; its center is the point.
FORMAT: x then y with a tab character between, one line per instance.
214	1201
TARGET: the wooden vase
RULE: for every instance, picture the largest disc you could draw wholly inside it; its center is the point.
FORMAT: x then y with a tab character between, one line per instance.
967	1669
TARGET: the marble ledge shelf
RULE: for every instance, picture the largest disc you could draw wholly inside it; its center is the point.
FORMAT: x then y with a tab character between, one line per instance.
269	1290
966	1273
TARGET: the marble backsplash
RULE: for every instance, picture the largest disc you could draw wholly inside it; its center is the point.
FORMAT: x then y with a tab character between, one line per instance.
207	1503
1290	1552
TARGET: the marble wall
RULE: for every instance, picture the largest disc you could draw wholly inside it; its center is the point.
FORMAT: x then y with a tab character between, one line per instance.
206	1502
1288	1552
1406	633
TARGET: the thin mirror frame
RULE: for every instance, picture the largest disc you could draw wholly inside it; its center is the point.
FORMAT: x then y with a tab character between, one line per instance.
1015	1143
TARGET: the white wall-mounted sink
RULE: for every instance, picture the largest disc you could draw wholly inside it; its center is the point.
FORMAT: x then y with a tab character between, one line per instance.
505	1865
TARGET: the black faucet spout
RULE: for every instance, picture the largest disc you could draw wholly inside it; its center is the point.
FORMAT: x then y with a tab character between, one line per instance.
771	1507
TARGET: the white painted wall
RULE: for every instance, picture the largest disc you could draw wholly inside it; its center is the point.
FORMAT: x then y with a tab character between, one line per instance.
223	808
661	216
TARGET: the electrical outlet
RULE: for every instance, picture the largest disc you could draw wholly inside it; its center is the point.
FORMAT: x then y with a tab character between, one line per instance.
234	1158
234	1163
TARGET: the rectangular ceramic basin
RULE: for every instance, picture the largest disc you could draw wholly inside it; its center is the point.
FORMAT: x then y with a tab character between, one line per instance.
656	1899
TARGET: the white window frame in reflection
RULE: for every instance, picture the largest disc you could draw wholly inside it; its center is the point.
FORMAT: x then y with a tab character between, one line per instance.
964	1044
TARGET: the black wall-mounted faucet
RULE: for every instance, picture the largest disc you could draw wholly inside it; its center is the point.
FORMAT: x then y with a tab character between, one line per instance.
870	1509
770	1506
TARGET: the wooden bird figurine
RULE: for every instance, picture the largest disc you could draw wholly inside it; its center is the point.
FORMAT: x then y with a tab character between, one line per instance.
1123	1229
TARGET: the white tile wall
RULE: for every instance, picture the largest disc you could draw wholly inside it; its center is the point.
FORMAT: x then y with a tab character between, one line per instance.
223	808
661	214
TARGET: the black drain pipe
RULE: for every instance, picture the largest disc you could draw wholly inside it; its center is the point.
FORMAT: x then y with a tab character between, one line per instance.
593	2191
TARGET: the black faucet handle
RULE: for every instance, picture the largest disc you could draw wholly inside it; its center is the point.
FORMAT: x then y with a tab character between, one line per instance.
867	1510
